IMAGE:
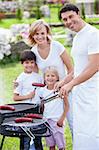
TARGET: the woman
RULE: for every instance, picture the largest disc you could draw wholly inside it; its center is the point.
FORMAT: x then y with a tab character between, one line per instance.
51	53
48	51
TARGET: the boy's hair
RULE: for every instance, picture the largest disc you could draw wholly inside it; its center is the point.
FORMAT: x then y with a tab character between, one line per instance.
68	7
27	55
53	69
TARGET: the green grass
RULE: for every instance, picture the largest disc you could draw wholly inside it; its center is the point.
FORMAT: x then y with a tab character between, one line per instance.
6	23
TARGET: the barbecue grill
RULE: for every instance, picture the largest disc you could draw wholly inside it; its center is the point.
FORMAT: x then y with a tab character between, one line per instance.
8	126
37	126
20	110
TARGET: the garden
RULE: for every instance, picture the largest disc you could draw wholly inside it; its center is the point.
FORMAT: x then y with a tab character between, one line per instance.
16	30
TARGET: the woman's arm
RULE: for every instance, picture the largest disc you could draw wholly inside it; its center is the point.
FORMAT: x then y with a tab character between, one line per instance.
70	71
67	61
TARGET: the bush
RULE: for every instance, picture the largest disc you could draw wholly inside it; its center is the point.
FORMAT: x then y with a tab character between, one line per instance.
96	6
19	14
83	11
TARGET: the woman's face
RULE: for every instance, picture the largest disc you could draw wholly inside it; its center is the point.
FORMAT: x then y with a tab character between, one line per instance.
40	36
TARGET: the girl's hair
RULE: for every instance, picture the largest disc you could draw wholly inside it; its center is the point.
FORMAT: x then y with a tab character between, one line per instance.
27	55
53	69
37	26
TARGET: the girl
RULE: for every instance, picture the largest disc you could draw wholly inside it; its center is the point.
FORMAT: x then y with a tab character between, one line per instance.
55	110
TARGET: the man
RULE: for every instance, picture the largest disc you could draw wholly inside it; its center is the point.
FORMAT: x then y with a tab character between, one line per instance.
84	85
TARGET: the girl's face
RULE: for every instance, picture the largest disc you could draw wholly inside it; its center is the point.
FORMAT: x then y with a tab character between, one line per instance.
50	79
40	36
28	66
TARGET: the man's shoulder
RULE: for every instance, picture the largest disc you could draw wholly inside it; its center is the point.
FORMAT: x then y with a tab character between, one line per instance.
92	29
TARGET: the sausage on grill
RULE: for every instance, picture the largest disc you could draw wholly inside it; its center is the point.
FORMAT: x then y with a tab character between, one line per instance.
36	116
7	107
23	119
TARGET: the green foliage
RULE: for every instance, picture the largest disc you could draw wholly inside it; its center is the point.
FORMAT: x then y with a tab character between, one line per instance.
9	59
83	11
19	13
96	6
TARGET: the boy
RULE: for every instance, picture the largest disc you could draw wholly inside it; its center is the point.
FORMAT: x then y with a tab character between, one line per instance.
25	91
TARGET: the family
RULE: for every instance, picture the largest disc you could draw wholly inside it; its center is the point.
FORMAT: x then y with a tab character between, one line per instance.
48	62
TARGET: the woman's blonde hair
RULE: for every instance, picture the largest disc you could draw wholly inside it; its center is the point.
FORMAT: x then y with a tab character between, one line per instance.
53	69
37	26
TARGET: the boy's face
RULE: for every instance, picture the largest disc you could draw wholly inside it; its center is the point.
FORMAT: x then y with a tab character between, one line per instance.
28	66
50	78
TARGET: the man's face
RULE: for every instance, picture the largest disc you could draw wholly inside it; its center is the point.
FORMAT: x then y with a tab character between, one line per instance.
71	20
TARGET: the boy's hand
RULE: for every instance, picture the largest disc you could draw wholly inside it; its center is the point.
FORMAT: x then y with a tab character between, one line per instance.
31	95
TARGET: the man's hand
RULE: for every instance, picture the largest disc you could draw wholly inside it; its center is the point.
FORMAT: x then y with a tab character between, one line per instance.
66	89
58	85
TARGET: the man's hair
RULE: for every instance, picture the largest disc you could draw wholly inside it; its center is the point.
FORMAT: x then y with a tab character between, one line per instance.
27	55
68	7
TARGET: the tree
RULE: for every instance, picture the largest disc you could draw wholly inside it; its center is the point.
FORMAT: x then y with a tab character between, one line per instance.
83	11
96	6
19	13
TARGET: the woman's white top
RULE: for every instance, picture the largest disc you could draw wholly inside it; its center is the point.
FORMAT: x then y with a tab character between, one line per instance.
53	109
53	59
24	87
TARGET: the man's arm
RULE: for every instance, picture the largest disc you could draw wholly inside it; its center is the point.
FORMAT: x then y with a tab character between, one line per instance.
88	72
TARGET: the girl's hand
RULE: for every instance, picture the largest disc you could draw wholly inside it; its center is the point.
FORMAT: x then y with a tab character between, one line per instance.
42	106
60	122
